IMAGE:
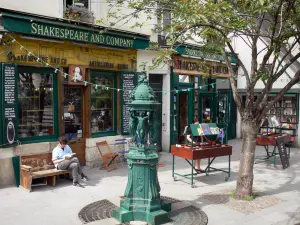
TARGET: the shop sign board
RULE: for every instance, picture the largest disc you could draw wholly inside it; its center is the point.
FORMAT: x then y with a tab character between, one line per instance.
59	30
9	103
190	66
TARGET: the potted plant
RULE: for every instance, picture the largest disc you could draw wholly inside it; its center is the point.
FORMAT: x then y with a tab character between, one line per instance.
77	13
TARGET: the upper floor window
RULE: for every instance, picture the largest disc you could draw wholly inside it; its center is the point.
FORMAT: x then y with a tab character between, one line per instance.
77	3
78	10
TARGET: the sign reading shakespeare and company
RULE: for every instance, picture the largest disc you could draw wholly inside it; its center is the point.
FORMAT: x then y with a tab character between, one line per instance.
60	30
201	54
190	66
27	58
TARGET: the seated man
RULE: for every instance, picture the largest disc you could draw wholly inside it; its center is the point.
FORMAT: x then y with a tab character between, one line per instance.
64	159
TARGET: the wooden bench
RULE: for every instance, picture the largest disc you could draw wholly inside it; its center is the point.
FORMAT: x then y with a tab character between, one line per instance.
38	166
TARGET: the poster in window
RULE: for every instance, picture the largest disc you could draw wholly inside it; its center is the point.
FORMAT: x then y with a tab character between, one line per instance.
76	75
9	104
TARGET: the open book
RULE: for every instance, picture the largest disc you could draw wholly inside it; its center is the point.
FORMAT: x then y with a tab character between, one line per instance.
69	156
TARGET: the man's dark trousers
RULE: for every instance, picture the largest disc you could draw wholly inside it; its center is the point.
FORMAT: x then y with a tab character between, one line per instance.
72	164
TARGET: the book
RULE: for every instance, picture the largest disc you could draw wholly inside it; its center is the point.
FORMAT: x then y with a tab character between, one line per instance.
214	130
69	156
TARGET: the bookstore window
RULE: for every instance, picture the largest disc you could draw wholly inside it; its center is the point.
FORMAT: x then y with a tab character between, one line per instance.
102	102
35	104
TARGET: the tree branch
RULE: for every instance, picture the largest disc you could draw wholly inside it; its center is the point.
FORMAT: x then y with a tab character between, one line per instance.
292	82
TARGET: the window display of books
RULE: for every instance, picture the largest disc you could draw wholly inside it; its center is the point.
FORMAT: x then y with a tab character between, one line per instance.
282	117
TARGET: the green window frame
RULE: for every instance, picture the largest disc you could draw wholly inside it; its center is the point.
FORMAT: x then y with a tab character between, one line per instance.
112	75
45	138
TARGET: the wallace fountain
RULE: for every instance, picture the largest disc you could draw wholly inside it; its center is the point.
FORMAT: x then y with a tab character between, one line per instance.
142	200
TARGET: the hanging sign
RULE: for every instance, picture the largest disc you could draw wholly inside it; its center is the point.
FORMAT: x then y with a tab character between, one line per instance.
9	103
128	83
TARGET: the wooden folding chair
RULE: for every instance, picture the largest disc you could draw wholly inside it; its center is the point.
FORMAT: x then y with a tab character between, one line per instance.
107	155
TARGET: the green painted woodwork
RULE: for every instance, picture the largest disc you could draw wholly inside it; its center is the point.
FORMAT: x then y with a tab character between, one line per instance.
232	117
1	107
51	28
142	195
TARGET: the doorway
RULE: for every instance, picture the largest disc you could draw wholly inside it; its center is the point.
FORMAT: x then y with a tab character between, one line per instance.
183	112
156	83
73	115
207	106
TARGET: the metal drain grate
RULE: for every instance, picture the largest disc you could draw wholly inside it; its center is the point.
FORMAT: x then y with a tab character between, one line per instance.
96	211
101	210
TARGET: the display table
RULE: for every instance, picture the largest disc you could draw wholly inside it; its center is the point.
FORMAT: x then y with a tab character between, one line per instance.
271	140
203	151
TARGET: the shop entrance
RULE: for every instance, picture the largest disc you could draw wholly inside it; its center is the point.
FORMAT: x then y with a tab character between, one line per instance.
207	106
155	81
183	112
73	115
223	114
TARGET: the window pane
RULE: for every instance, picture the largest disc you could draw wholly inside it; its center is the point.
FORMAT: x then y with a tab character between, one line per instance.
206	109
35	96
73	112
82	3
102	105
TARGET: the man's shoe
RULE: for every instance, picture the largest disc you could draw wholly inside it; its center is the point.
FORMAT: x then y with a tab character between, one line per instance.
84	178
76	184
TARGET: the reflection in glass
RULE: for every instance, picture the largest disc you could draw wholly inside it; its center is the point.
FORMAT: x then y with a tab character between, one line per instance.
102	104
222	107
73	112
35	104
206	110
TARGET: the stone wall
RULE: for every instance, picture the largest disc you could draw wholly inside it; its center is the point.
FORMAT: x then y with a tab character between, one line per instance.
92	155
7	176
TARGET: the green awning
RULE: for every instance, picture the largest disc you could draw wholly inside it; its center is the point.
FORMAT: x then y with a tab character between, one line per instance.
48	27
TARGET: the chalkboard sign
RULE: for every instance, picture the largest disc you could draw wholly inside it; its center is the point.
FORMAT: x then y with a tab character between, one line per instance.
9	103
282	152
128	83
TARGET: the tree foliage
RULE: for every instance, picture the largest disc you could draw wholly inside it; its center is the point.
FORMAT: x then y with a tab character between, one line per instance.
213	24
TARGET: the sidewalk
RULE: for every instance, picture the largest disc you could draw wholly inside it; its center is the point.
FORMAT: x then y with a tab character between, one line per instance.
61	204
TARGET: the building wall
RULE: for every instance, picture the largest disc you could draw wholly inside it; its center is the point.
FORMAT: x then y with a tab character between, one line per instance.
245	55
6	168
52	8
101	9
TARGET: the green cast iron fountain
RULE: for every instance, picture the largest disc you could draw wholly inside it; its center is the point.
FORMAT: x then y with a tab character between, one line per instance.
142	200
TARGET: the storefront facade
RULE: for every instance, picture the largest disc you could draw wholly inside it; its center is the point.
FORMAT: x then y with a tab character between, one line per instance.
43	100
201	91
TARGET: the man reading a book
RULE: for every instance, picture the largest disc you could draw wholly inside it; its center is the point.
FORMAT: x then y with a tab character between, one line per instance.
64	159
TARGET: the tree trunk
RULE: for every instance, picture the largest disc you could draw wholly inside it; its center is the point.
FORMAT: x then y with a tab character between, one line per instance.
245	176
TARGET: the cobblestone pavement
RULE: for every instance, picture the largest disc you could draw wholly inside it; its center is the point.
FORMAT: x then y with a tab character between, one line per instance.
278	189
